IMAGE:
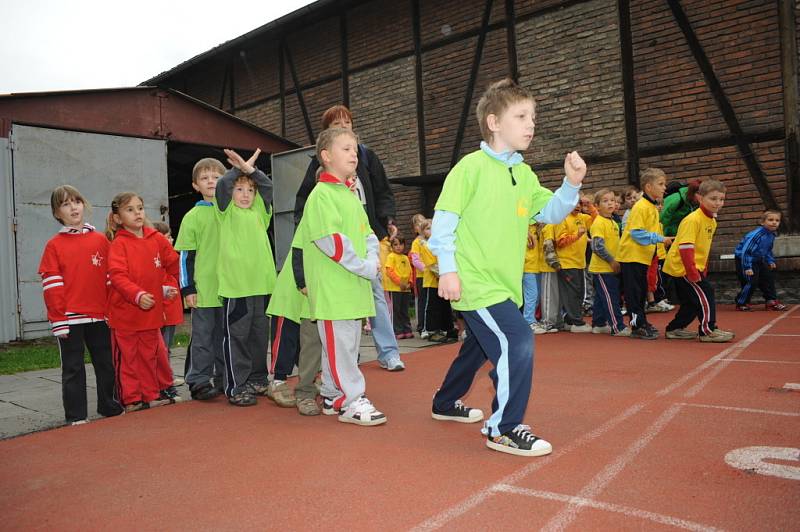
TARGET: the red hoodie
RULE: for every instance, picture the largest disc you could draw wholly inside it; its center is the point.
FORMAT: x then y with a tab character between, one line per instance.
74	270
137	266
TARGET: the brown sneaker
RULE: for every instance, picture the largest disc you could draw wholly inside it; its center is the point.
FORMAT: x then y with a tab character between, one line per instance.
280	392
716	337
680	334
308	407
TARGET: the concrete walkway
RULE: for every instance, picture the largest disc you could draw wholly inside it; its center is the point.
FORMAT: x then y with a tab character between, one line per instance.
31	401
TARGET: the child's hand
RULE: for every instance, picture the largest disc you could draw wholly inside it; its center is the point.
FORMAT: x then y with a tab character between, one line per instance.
748	273
772	266
246	167
574	168
190	301
450	286
147	301
615	266
668	241
581	231
304	291
531	241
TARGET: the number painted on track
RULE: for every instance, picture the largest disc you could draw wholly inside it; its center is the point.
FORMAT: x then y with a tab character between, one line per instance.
754	459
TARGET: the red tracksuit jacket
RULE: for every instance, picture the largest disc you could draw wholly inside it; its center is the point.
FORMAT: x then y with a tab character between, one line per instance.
137	266
74	270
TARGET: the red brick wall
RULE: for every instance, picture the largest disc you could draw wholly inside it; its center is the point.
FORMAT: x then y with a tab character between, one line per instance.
569	56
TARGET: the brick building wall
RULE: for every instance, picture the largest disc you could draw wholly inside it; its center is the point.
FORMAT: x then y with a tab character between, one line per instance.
568	54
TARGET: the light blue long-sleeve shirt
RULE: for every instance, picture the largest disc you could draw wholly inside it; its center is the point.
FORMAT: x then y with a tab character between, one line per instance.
443	229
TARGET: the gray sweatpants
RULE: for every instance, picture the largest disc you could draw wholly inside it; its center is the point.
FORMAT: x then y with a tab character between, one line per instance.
309	361
245	337
550	302
342	380
571	287
204	358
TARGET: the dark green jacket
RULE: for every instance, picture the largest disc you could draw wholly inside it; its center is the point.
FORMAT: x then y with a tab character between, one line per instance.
676	208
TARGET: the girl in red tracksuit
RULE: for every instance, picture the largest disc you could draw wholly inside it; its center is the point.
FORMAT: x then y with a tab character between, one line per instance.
74	270
140	261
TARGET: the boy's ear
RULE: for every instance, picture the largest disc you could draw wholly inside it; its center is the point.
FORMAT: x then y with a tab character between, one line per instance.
195	187
493	122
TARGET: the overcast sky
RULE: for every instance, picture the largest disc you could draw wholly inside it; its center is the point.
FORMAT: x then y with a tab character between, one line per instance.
48	45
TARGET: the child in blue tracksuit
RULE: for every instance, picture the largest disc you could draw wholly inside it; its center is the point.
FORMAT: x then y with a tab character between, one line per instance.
755	264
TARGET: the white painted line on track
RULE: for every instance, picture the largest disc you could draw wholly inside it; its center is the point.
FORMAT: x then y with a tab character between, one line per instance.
761	361
734	351
792	386
447	515
782	335
753	459
743	409
567	515
617	508
474	500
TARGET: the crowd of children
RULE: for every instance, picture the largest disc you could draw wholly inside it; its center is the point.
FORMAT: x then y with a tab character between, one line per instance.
559	258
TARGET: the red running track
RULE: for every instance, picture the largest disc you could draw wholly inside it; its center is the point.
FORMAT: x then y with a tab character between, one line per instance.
641	431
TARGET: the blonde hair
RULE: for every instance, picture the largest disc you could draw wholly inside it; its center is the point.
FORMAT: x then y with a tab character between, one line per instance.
63	193
325	140
426	223
598	196
651	175
498	97
711	185
768	212
119	201
416	220
209	163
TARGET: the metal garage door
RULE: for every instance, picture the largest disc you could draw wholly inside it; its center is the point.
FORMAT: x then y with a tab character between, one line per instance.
100	166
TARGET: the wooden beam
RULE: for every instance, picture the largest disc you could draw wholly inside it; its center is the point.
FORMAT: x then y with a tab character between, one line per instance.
303	108
232	98
628	91
473	74
791	120
345	63
282	88
511	41
224	86
415	21
724	105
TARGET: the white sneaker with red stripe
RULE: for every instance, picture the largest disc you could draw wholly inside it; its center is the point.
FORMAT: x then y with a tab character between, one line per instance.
362	412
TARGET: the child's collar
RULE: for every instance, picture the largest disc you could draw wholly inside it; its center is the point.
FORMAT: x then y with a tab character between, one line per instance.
85	228
326	177
648	198
706	212
509	158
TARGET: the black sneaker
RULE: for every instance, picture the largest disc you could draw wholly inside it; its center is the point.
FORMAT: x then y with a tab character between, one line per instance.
460	413
244	398
519	441
648	332
203	392
170	394
327	407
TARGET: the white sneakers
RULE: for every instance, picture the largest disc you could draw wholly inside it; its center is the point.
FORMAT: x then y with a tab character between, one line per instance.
362	412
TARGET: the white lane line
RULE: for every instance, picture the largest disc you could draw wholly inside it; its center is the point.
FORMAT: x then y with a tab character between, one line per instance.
754	459
589	503
734	351
722	355
443	517
743	409
568	514
440	519
762	361
782	335
792	386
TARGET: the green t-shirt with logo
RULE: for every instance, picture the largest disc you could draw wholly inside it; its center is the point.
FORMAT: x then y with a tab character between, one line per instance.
287	300
246	267
199	232
333	292
495	205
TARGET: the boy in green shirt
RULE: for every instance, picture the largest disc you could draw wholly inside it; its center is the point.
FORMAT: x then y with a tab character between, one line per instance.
198	244
340	259
246	276
481	268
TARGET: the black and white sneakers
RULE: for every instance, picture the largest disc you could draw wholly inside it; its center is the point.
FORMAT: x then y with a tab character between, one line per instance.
519	441
460	413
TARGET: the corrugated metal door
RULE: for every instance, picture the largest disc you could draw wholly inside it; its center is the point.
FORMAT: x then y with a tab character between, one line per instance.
288	170
9	317
100	166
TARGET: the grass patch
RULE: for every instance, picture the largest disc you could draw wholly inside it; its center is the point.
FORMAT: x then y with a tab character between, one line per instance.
180	340
30	355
